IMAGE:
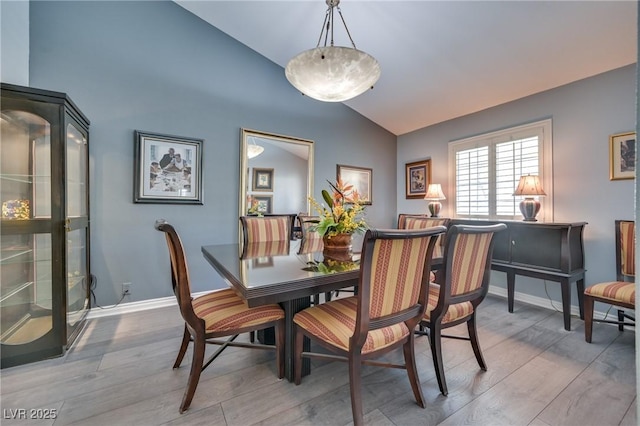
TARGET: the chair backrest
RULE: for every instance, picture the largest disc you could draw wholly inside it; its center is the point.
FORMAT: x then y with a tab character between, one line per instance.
311	240
394	276
467	264
625	250
263	229
422	222
402	217
179	272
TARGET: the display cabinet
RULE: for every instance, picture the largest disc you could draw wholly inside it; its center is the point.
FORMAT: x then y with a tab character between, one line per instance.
44	241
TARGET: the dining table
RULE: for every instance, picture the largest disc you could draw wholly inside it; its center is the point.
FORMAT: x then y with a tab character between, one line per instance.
286	276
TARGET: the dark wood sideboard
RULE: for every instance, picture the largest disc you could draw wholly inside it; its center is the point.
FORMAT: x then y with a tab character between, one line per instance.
547	251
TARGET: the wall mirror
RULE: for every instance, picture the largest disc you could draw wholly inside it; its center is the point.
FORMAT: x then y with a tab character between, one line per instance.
276	173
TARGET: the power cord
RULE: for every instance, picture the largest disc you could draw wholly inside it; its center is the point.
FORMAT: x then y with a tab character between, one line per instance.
93	282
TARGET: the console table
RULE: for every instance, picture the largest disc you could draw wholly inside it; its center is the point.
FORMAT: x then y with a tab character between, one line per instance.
547	251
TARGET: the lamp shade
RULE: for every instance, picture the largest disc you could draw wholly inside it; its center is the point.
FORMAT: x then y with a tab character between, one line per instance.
254	150
529	185
434	192
333	73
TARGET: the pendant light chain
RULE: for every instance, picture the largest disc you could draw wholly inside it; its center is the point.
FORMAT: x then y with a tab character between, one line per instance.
328	25
345	27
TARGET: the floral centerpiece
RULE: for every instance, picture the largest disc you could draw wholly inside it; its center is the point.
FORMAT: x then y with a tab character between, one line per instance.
341	217
254	207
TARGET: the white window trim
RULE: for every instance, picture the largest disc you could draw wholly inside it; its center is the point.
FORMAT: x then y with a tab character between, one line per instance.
546	161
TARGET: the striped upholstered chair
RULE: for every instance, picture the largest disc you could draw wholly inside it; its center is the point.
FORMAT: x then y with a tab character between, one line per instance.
215	315
462	286
406	221
265	236
617	293
311	241
381	317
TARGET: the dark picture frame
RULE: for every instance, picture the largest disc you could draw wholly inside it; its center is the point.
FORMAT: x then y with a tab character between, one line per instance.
262	180
622	156
417	178
265	203
167	169
361	178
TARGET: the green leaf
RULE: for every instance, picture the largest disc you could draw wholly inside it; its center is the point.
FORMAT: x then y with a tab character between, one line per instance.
327	198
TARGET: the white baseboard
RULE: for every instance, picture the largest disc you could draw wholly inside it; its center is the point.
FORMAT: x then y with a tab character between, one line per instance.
143	305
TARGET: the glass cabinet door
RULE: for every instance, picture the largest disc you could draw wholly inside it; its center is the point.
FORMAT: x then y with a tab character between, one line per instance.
25	247
77	226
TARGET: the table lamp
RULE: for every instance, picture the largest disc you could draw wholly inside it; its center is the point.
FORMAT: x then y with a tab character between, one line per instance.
529	186
434	195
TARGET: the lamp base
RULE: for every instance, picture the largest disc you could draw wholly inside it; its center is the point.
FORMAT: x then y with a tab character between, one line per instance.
434	208
529	209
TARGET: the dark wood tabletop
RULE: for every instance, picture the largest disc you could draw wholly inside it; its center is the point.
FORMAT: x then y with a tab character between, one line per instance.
267	279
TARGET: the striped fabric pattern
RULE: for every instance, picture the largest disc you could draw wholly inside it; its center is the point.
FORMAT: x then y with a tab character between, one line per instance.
262	229
396	272
268	248
470	255
615	291
454	312
224	310
311	240
423	222
427	222
628	248
334	322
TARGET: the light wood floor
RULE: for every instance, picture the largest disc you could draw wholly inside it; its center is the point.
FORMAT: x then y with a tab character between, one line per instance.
119	373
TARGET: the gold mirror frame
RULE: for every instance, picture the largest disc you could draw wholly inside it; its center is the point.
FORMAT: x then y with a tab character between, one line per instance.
288	143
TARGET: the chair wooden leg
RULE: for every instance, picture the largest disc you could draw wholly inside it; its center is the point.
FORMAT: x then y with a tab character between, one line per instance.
252	336
355	386
412	371
436	351
280	327
186	338
473	337
588	317
194	375
297	354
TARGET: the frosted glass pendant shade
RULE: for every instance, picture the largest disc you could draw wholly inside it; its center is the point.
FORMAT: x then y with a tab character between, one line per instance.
333	73
254	150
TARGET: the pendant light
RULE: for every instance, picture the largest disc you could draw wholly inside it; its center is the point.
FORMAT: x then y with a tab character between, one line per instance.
332	73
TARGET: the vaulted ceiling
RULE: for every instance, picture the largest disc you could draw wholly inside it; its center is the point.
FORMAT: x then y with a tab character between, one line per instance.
444	59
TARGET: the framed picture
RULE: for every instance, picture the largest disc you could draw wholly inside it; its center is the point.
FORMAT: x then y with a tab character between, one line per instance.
622	156
264	203
167	169
262	179
417	178
360	178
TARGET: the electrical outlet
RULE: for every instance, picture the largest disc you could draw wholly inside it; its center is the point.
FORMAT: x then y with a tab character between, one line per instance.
126	289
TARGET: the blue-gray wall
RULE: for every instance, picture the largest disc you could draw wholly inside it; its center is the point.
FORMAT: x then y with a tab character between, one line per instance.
584	114
153	66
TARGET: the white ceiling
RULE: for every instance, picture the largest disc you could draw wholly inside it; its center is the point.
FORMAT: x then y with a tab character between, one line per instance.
444	59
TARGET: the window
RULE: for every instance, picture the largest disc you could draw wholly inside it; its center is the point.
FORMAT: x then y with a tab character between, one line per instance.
485	170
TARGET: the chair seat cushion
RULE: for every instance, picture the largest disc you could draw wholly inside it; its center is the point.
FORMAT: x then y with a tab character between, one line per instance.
615	291
334	323
455	312
224	310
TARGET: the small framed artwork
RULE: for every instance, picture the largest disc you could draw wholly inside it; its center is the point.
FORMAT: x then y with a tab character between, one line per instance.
622	156
167	169
360	178
262	179
264	203
417	178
